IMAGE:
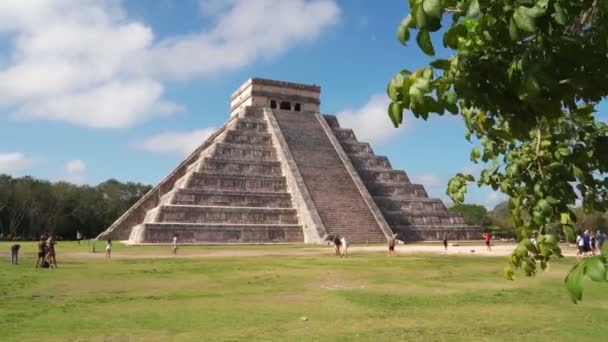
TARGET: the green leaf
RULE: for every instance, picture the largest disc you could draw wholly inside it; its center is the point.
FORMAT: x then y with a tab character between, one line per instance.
509	273
523	20
432	8
450	38
443	64
475	154
473	8
513	30
424	42
422	20
596	268
393	89
559	16
395	112
403	34
574	281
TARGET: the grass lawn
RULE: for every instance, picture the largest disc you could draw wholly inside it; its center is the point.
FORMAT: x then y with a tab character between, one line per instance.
364	297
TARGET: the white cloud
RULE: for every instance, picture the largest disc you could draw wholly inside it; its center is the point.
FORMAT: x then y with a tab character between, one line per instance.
87	63
75	171
12	162
427	180
371	122
175	142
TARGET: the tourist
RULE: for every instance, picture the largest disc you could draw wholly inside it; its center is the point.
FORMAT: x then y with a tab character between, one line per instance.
78	236
337	244
601	237
580	246
391	245
586	242
50	251
488	239
445	242
174	244
593	243
41	250
108	249
344	247
15	254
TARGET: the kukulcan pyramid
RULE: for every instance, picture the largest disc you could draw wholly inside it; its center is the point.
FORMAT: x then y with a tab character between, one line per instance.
280	172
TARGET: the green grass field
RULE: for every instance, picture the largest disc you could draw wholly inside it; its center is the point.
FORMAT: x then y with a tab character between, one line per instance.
367	296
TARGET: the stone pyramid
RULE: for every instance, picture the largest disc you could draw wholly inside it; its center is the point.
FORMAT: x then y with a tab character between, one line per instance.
280	172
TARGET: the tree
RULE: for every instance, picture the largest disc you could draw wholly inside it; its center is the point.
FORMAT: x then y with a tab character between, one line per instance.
525	76
473	214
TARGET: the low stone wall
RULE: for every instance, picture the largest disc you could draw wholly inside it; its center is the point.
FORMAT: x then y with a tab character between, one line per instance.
223	234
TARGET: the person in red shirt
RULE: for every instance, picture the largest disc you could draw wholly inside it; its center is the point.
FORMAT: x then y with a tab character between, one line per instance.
487	238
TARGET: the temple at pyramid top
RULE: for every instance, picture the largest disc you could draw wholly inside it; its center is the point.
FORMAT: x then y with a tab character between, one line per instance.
279	171
259	92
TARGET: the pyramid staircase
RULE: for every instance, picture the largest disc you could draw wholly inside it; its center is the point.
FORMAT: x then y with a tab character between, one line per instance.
406	206
233	193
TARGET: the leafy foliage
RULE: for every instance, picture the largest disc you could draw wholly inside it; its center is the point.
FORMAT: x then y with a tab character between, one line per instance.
30	207
525	76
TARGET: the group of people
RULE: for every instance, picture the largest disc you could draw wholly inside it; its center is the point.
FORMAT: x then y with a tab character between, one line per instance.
589	243
46	252
340	245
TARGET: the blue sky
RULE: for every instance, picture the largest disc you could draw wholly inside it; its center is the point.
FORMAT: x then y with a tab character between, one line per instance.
94	89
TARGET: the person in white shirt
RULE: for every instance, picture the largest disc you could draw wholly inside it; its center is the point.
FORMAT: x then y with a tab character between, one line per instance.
108	248
343	247
174	244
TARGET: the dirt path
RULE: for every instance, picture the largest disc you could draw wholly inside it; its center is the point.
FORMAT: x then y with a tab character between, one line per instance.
242	251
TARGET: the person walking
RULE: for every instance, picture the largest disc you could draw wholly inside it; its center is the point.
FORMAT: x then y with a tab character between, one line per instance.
78	236
586	242
41	251
15	254
593	243
580	246
391	245
488	240
445	242
50	251
337	244
344	247
108	249
174	244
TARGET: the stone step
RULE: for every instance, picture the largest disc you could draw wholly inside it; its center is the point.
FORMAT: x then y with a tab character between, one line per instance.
408	203
225	214
248	137
223	233
354	147
251	125
244	152
370	162
232	198
345	134
332	121
254	112
241	167
405	190
422	218
201	180
384	176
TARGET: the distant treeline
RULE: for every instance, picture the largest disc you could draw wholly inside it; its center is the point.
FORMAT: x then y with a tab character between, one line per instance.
30	207
499	221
